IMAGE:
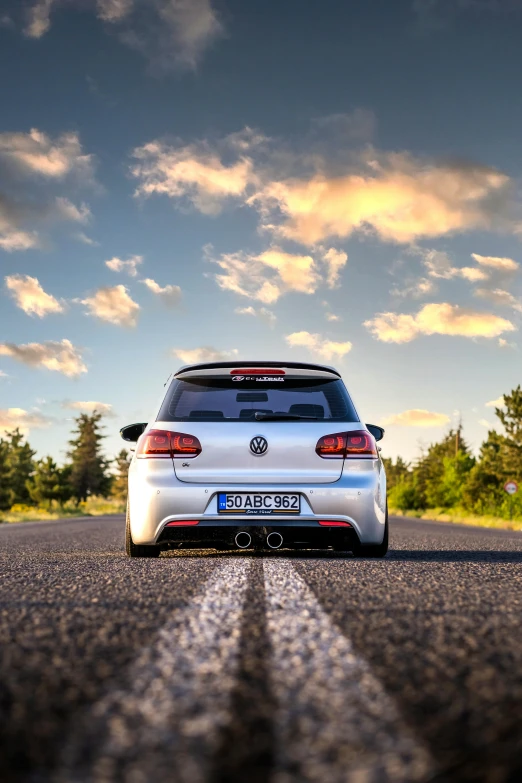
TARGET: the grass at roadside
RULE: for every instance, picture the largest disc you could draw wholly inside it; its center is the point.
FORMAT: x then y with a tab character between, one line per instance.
93	507
461	518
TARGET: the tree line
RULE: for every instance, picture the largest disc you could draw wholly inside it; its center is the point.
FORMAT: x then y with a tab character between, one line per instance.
448	476
86	472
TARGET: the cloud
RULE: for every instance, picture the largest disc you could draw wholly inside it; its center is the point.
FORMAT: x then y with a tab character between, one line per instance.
440	318
60	356
32	165
500	297
332	317
414	289
18	240
494	262
170	295
169	33
487	424
81	237
114	10
397	198
504	344
322	346
89	406
36	153
267	276
335	260
113	305
11	418
13	236
69	211
129	266
30	296
417	417
38	21
439	265
320	194
193	173
263	313
187	28
498	403
204	354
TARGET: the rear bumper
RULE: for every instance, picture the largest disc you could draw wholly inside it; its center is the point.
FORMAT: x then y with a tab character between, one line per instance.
224	537
156	497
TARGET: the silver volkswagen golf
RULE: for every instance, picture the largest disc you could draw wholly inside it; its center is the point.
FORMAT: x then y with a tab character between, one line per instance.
256	455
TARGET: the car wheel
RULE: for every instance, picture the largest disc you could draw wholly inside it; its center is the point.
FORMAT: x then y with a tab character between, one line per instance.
373	550
137	550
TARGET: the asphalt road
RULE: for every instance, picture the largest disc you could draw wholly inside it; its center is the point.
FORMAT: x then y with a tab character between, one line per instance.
235	668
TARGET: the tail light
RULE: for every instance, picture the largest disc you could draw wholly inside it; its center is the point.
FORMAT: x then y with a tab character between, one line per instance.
358	444
163	443
332	445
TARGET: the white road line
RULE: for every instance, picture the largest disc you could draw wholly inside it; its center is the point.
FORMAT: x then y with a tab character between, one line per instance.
335	722
165	726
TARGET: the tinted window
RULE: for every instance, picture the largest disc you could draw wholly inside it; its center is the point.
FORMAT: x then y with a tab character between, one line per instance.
222	398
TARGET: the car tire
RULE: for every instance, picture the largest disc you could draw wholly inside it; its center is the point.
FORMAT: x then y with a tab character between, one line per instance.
373	550
137	550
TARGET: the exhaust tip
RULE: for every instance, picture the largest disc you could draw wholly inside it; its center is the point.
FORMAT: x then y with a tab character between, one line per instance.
274	540
243	539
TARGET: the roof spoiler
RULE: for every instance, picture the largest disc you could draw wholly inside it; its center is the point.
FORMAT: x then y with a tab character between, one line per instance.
238	363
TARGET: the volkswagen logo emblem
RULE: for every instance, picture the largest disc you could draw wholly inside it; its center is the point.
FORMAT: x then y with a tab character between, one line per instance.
258	445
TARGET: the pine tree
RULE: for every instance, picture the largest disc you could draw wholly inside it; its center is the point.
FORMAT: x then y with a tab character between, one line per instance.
120	478
430	468
20	466
88	472
500	459
49	482
511	418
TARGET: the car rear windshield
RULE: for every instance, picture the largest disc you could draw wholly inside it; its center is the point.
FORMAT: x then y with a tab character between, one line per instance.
239	399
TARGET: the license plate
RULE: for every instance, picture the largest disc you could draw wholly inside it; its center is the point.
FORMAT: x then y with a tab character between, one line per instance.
258	504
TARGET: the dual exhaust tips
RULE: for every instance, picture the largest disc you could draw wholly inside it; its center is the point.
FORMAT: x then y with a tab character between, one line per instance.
244	539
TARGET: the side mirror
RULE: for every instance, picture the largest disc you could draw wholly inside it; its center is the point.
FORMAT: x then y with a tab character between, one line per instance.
132	432
377	432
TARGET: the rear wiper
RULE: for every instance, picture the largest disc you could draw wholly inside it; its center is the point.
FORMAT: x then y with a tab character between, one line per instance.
260	416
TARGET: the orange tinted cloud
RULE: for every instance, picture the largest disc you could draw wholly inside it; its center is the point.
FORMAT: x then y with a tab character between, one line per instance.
440	318
316	343
31	297
417	417
401	200
113	305
61	356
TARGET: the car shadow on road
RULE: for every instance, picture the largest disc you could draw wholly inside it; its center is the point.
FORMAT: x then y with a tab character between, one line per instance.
456	555
394	555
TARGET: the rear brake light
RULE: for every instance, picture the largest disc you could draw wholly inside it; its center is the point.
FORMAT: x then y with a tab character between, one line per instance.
355	445
333	523
257	371
163	443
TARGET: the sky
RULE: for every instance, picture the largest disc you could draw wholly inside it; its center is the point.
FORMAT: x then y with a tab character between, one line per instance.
326	181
